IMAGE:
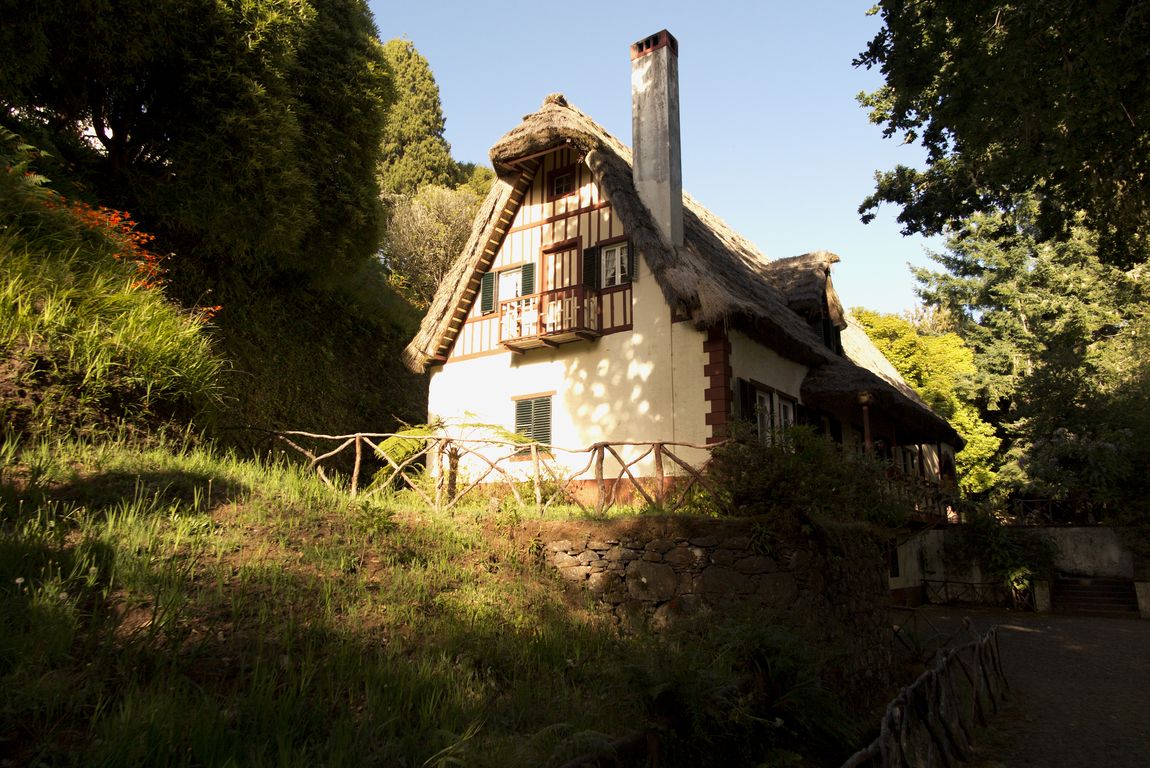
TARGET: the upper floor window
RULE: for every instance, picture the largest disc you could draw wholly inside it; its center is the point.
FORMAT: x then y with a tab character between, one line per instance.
495	287
616	266
562	182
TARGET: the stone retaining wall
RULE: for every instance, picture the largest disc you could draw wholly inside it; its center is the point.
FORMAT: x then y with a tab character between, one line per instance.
662	570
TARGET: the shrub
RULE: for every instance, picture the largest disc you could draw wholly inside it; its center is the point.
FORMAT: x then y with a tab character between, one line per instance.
800	471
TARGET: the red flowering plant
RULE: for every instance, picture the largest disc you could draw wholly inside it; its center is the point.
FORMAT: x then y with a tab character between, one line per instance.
132	242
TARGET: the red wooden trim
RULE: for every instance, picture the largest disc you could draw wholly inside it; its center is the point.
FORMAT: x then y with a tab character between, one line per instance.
566	245
718	395
560	216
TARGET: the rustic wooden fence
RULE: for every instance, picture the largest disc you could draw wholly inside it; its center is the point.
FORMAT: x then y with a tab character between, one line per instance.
931	722
539	470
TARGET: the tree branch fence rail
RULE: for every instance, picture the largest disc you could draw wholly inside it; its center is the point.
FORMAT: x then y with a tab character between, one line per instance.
549	480
932	721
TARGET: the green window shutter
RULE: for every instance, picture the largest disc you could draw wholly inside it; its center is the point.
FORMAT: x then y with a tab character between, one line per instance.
591	268
542	419
487	294
524	417
527	281
745	400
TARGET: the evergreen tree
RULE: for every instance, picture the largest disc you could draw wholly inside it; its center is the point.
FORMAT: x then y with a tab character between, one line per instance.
1060	341
415	153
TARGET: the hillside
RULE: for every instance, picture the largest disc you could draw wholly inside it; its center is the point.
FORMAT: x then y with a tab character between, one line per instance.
169	606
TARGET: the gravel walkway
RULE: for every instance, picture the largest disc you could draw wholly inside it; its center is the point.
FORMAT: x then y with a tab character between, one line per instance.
1080	690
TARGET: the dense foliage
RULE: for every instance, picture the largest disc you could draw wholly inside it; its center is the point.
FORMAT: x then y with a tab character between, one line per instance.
1060	346
1007	98
940	367
245	135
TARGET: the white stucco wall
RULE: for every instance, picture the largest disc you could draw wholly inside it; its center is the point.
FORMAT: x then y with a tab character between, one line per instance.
641	385
751	360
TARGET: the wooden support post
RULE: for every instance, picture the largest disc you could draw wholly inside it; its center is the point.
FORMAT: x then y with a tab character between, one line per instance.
600	483
659	481
358	463
535	478
438	471
452	472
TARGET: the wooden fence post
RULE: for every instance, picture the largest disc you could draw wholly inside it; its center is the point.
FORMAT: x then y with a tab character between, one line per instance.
452	471
659	473
599	481
535	478
358	462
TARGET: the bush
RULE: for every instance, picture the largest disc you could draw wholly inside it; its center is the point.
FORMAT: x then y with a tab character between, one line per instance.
799	471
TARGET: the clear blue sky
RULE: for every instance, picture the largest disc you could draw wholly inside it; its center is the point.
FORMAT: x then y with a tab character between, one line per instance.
773	139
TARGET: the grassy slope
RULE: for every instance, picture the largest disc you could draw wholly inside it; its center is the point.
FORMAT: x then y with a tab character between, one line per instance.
173	607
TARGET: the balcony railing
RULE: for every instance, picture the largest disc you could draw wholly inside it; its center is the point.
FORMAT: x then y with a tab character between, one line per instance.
549	318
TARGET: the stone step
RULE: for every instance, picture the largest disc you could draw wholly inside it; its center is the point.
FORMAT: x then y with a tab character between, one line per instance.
1097	596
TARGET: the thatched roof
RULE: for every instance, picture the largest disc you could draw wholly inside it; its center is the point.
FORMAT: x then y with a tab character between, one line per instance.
716	277
866	374
806	283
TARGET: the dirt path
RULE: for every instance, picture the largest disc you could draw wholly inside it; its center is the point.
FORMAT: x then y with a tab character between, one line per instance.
1080	691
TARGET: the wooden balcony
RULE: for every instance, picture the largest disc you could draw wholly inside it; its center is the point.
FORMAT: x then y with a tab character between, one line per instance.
549	319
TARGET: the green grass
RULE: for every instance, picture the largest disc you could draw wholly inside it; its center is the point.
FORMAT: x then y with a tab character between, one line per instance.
172	606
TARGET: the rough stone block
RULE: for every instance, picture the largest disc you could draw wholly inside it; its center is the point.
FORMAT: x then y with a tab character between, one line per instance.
756	564
563	560
737	542
563	545
725	556
624	554
680	555
719	580
660	545
575	572
601	546
588	557
604	582
705	541
674	611
651	581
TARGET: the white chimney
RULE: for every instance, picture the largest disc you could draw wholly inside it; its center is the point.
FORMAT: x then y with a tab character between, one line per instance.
657	163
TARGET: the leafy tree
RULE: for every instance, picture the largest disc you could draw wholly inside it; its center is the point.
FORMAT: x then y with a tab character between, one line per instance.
415	153
426	233
940	368
243	132
1039	95
1060	343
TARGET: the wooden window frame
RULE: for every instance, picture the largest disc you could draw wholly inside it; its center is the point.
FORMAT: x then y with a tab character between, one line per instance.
571	170
617	255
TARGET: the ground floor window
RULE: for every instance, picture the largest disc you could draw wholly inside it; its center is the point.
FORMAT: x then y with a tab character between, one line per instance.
766	408
533	418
